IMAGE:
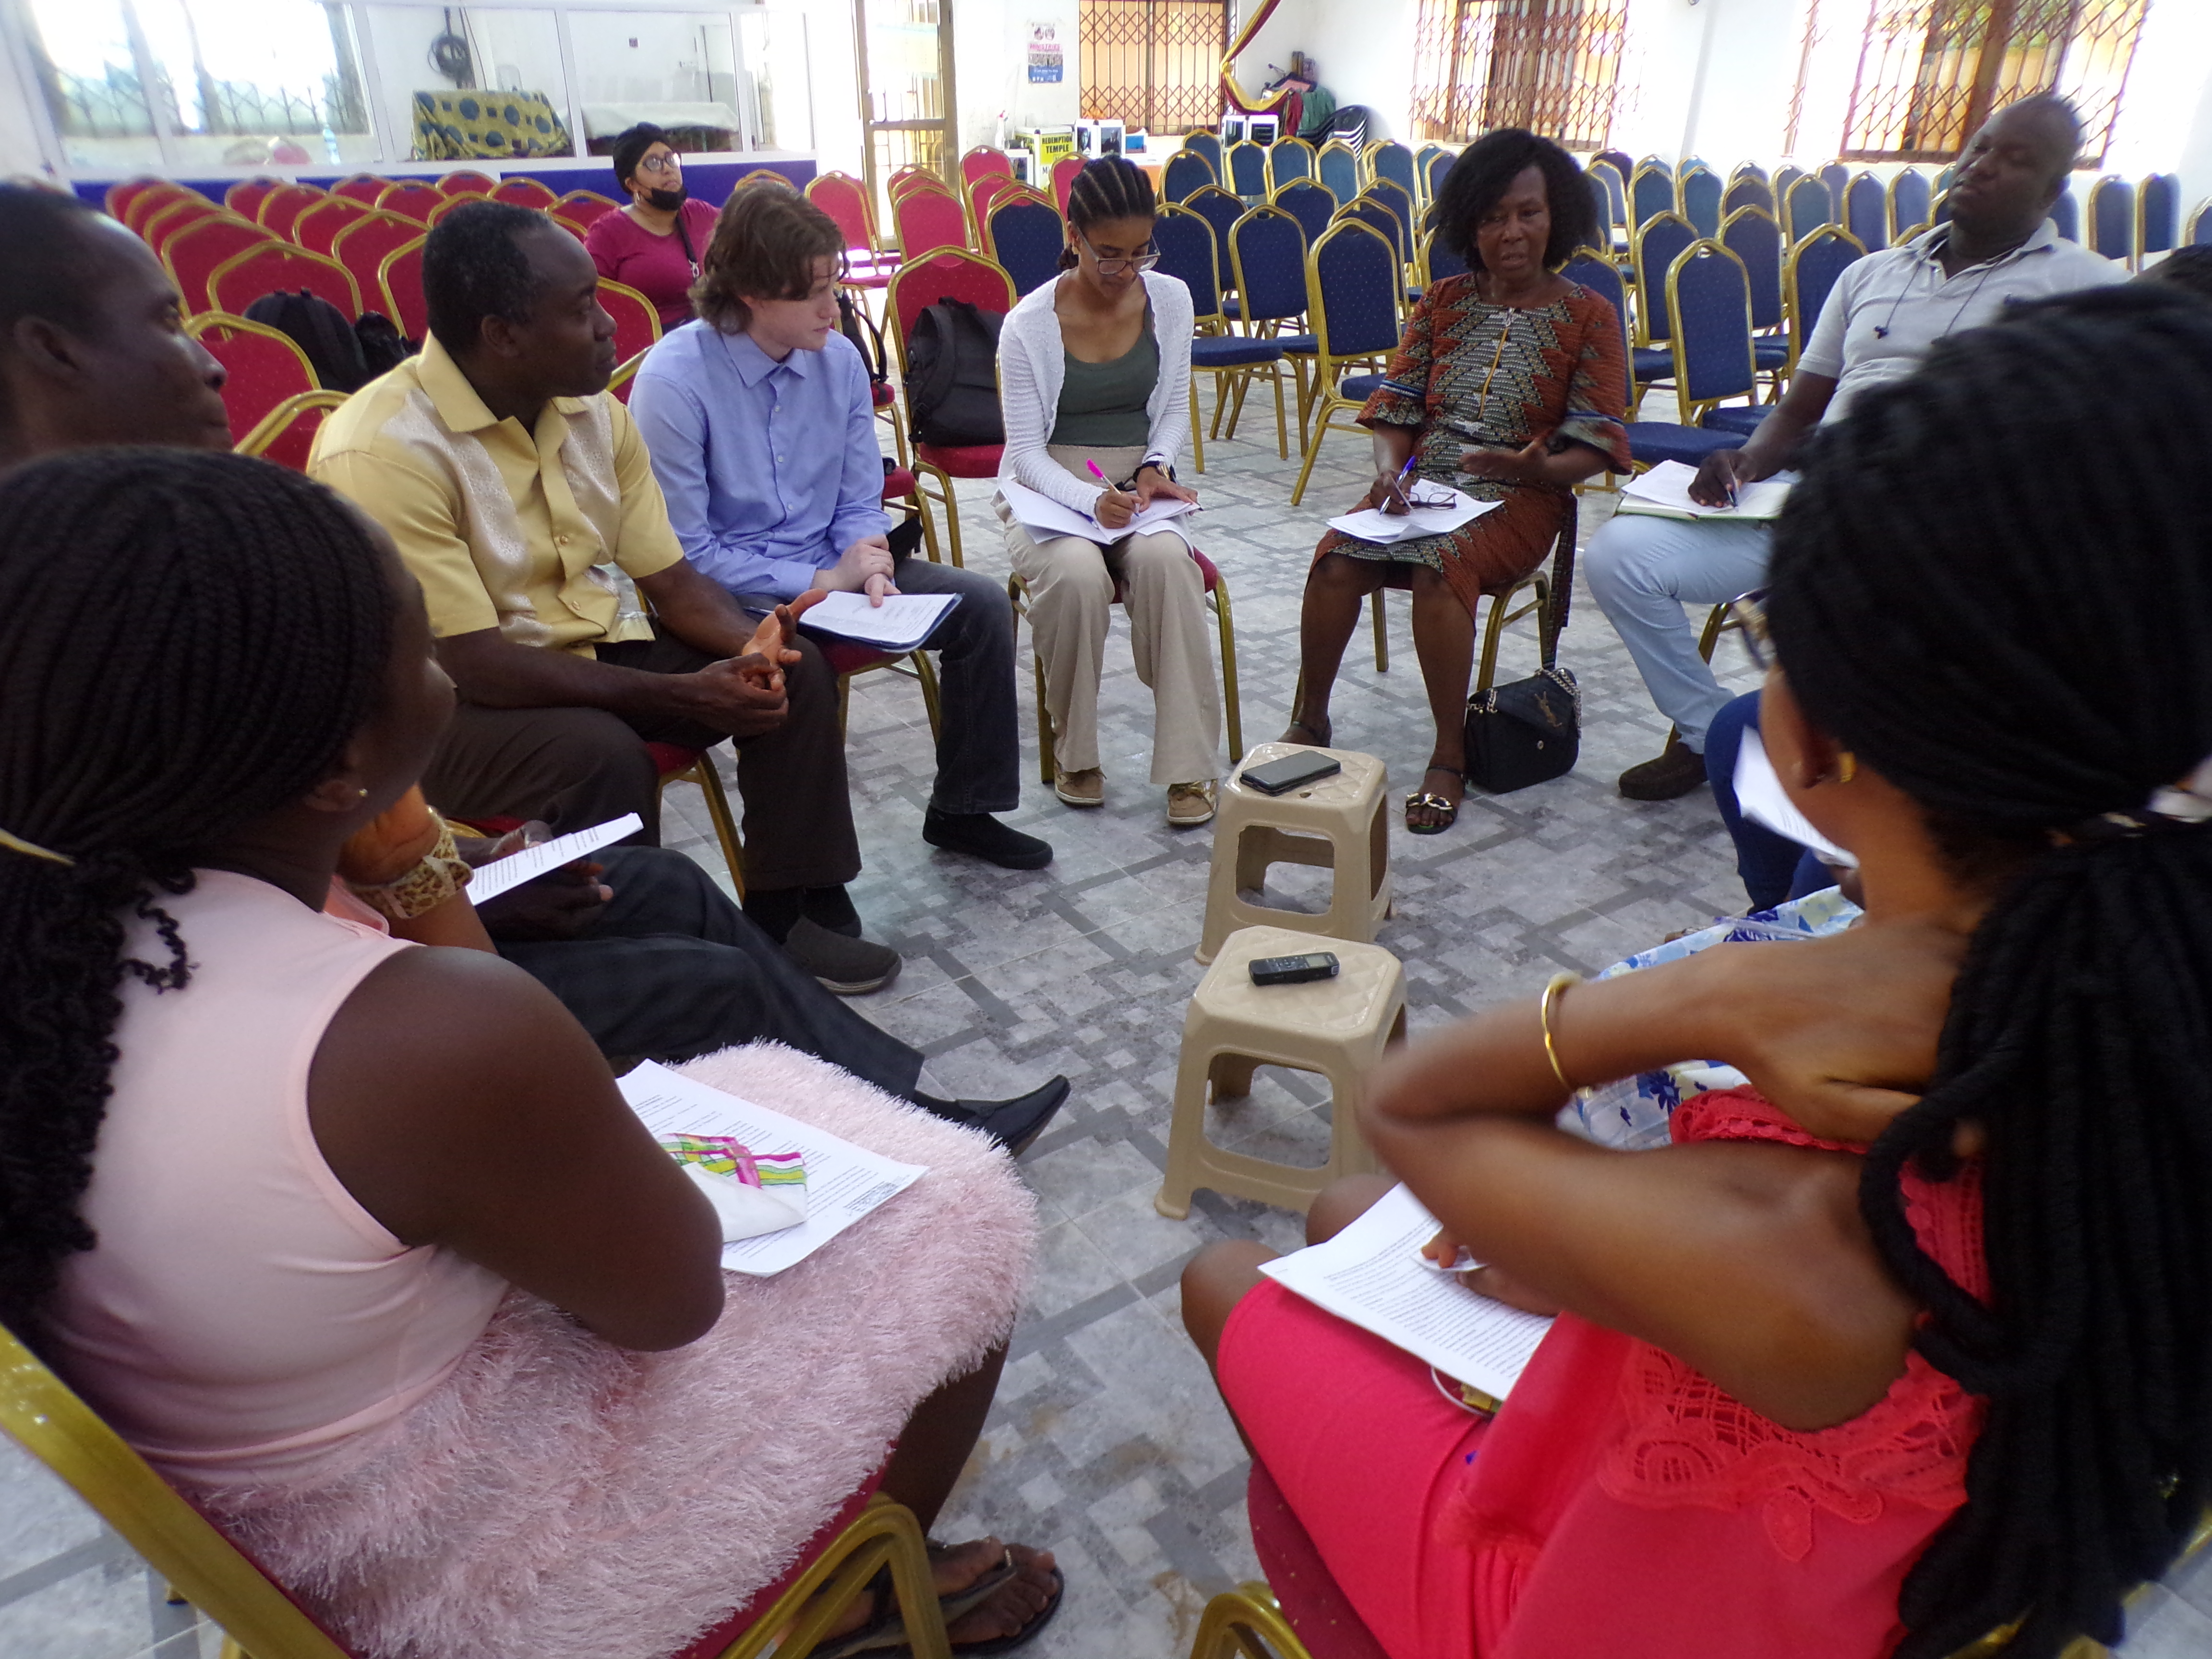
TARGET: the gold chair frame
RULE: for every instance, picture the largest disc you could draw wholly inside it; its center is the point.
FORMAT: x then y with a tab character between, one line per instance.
270	426
1800	328
1272	326
924	473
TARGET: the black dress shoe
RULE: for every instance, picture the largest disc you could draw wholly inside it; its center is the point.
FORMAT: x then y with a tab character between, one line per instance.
850	967
1676	771
983	836
1013	1123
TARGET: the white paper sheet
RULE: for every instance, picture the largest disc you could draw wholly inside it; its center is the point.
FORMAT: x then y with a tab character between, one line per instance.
844	1183
1373	524
488	881
901	623
1045	517
1370	1275
1759	794
1664	491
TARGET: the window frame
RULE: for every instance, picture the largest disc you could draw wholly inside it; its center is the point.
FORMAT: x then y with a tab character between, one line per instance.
1143	119
1484	63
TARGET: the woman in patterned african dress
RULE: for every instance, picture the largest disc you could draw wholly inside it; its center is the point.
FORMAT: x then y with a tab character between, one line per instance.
1509	383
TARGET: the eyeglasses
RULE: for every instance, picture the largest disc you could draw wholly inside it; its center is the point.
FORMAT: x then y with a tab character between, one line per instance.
1113	267
1747	614
669	163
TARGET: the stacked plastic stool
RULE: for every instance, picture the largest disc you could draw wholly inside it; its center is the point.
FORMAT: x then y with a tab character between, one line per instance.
1339	823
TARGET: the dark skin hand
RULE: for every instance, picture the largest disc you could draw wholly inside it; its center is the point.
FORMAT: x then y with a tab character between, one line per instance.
558	905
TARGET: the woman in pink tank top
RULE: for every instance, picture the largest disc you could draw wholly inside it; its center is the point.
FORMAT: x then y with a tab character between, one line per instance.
357	1241
1910	1342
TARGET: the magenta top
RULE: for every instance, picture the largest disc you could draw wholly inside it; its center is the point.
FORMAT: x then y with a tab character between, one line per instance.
627	253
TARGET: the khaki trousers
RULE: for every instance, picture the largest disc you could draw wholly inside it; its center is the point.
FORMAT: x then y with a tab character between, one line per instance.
1071	586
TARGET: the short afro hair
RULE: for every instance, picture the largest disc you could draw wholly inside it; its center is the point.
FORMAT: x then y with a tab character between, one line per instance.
1485	170
629	147
474	267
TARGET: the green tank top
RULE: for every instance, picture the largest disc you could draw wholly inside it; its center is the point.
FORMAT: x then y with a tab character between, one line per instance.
1101	406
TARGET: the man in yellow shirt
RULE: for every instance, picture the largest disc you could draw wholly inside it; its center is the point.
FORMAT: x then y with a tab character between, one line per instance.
521	497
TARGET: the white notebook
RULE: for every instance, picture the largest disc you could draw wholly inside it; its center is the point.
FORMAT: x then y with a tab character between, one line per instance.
488	881
1045	517
1664	493
900	624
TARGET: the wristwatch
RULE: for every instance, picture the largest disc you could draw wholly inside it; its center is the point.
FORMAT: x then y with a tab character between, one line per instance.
1159	464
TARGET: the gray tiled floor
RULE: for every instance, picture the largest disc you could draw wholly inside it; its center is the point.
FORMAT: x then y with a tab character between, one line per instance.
1107	1444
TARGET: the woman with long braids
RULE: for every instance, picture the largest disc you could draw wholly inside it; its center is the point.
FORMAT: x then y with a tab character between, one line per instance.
356	1241
1908	1344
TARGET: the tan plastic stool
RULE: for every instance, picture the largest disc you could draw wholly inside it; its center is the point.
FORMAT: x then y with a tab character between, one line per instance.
1336	1027
1330	824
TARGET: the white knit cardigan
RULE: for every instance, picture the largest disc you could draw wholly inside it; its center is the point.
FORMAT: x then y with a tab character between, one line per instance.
1032	365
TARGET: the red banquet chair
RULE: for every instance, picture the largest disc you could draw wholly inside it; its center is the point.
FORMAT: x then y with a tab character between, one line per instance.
637	324
244	198
948	274
459	198
524	192
362	248
244	277
286	435
1063	180
399	280
318	228
845	199
131	195
468	182
193	254
411	198
927	218
281	208
263	366
165	218
579	208
362	187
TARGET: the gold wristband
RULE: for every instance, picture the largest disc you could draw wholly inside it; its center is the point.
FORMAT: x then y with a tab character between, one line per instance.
1553	992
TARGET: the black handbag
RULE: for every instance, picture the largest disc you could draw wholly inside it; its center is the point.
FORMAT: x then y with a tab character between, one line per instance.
1524	732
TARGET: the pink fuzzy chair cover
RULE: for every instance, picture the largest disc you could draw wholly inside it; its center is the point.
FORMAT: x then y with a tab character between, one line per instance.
558	1496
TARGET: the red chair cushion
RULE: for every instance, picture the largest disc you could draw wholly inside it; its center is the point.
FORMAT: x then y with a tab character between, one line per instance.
898	484
963	461
671	757
1208	570
850	656
882	395
1313	1603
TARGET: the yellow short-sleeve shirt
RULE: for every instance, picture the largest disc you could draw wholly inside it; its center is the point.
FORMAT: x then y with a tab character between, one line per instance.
505	527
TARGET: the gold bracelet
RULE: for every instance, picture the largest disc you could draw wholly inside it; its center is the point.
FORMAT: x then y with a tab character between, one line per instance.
1544	1010
440	873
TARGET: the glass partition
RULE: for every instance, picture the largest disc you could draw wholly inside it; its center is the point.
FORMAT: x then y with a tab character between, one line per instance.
781	113
676	69
479	83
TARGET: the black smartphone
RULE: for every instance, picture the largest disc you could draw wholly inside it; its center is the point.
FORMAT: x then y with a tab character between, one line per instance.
1280	777
1294	970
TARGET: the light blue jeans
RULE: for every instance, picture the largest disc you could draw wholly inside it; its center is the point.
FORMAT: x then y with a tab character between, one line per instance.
1642	571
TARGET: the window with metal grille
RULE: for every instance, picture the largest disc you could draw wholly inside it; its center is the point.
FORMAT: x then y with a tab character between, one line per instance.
1929	72
1155	64
1550	65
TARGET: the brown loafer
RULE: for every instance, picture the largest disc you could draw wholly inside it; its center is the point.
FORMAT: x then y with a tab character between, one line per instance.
1190	805
1084	788
1675	772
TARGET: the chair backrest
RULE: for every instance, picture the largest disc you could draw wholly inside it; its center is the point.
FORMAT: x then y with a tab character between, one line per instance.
1268	252
1806	209
1601	204
525	192
927	220
1701	191
1376	215
1207	144
637	320
1708	326
1650	193
2066	214
1785	176
40	1413
120	198
2199	229
1866	211
1746	170
1596	270
985	159
399	279
150	199
192	254
1189	253
318	226
985	191
1747	189
579	209
1752	235
452	201
772	177
1623	163
2112	218
1027	237
467	181
1186	170
362	187
1656	245
2158	212
947	273
1400	201
1909	197
247	275
1219	210
363	246
908	176
1808	273
845	199
1438	261
244	197
1247	169
1391	160
1838	177
410	198
1614	218
1353	290
172	217
281	208
1063	180
1435	170
1657	164
1336	164
262	367
1310	204
1289	159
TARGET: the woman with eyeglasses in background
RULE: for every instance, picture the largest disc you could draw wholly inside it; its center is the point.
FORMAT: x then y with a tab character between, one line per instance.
1094	380
655	244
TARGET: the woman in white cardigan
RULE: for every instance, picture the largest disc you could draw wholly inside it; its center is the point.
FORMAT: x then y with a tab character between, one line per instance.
1094	376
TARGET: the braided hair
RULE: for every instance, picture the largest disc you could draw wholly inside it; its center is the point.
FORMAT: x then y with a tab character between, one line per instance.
187	640
1995	583
1112	188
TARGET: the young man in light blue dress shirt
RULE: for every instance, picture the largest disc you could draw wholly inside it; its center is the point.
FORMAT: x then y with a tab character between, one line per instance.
762	427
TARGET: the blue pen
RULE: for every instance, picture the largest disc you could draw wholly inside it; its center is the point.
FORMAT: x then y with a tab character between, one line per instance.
1398	484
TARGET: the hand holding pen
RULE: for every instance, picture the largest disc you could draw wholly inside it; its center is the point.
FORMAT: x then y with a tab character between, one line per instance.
1115	507
1395	501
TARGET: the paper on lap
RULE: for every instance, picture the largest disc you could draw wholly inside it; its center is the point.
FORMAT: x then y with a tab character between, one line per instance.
1371	1275
901	623
1760	797
488	881
1664	493
1045	517
844	1182
1432	515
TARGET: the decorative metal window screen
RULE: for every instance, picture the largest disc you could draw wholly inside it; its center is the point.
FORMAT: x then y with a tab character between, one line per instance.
1931	71
1153	63
1552	66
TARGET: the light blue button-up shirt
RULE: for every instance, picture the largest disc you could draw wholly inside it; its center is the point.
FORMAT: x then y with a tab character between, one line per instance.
771	469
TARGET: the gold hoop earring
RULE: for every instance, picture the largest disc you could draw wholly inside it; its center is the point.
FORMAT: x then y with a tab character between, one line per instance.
1847	766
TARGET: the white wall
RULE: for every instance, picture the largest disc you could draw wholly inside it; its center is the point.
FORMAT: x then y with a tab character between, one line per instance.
990	49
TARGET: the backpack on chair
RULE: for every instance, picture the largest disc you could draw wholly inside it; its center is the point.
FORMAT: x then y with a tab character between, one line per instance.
321	330
853	324
953	376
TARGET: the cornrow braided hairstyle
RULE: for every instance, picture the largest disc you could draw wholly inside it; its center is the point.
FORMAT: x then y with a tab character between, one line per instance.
187	640
1993	584
1112	188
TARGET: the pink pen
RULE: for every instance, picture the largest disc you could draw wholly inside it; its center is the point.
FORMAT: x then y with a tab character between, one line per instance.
1097	474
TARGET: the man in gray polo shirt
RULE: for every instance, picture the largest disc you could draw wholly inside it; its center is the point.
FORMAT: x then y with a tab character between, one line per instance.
1884	312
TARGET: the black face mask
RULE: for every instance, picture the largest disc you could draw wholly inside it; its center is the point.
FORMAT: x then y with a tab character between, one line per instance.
667	201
